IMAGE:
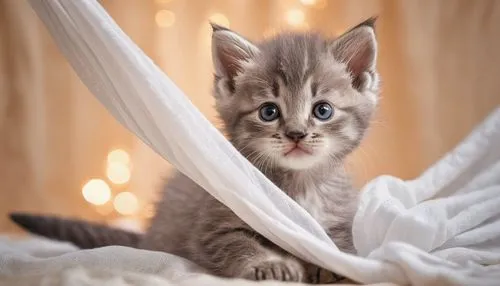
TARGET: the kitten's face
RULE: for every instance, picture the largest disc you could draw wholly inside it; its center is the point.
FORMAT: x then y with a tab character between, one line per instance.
295	101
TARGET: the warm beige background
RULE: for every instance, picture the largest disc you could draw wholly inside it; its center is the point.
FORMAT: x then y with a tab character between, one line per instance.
440	63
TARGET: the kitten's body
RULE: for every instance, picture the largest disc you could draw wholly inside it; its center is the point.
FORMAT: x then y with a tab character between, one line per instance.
274	99
213	226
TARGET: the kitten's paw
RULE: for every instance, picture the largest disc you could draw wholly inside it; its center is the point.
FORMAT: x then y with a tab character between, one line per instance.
317	275
281	269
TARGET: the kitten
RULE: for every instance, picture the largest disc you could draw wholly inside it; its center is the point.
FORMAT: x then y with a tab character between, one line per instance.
295	105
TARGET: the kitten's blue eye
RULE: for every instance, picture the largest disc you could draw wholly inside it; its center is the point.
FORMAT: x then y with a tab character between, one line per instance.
323	111
269	112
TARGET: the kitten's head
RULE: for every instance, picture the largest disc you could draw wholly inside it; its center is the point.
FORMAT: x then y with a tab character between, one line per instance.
297	100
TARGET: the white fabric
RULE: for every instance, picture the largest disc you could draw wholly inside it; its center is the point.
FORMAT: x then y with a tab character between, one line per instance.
38	261
402	234
43	262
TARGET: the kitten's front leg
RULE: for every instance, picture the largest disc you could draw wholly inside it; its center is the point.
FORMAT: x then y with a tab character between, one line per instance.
228	247
238	252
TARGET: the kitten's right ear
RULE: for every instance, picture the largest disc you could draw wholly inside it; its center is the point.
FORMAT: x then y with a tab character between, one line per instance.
230	51
357	48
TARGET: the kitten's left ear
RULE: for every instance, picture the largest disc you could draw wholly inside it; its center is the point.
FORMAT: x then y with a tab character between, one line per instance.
357	48
230	51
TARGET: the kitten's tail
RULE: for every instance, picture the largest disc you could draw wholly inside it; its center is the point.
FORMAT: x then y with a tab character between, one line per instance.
83	234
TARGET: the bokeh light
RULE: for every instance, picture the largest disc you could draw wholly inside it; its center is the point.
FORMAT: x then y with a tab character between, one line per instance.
165	18
308	2
127	224
126	203
118	173
96	192
119	156
219	19
295	17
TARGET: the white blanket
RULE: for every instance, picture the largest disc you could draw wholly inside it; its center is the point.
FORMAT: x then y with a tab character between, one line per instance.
441	228
37	261
42	262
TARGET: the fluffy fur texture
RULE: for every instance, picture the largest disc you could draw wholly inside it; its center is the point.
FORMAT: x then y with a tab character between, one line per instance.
295	106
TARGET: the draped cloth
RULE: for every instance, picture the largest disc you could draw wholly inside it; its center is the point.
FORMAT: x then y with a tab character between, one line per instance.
441	227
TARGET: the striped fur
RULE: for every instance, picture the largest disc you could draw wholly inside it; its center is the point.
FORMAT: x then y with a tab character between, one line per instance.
293	71
83	234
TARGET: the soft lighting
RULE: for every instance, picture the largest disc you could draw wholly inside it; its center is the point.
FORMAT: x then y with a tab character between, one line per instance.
126	203
165	18
321	4
339	32
308	2
105	209
119	156
270	32
118	173
219	19
149	211
96	192
127	224
162	1
295	17
206	30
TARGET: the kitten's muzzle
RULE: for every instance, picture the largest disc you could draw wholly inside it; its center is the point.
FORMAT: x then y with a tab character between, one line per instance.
297	150
296	136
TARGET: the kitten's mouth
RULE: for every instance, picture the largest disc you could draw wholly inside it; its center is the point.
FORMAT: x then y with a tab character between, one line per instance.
297	151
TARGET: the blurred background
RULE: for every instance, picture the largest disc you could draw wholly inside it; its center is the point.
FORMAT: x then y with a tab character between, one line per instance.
62	153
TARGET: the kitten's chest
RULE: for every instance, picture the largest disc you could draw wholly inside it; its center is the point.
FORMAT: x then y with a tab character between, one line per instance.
328	202
314	205
312	198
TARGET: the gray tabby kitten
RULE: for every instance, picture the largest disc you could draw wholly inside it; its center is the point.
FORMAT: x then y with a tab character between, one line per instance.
295	105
